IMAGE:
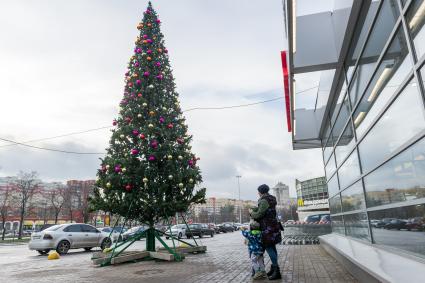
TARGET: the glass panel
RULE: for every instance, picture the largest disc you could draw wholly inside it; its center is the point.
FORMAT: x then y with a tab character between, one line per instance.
327	151
403	120
390	74
400	227
353	197
342	119
330	167
361	37
335	204
402	178
415	21
339	102
333	186
337	224
356	225
349	171
345	144
380	33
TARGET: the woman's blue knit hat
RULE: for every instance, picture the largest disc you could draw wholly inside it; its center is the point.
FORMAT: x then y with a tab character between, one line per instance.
263	189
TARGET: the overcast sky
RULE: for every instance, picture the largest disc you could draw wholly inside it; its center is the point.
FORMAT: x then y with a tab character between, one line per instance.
62	67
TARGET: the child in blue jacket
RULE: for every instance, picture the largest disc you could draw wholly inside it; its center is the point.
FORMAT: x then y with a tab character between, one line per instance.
256	250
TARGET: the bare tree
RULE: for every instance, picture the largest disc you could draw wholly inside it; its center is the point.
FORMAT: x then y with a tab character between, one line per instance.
5	206
86	191
69	194
26	185
57	198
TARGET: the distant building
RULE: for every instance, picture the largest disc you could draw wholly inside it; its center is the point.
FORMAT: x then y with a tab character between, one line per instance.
213	207
281	192
312	197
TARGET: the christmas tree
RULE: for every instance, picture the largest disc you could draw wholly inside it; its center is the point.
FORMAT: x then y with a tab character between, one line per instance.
149	172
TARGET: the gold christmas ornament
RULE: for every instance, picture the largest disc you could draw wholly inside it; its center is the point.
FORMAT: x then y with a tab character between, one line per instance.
108	185
139	115
122	136
181	185
145	180
152	113
144	104
107	166
124	170
191	181
150	126
180	157
170	157
170	177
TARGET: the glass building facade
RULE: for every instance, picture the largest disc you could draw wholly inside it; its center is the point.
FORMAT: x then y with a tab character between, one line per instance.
374	138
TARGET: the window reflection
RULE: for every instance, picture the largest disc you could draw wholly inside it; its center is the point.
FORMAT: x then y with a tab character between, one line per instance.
345	144
341	98
330	167
349	171
353	197
327	151
355	52
415	19
400	179
356	225
333	186
390	74
337	224
342	119
381	31
403	120
335	204
401	227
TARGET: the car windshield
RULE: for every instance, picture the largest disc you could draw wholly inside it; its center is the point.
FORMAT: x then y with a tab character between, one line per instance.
194	226
53	228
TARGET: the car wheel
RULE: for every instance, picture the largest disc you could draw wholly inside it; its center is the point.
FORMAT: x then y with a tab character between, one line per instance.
187	236
167	238
180	235
87	249
43	252
63	247
200	235
106	243
119	239
212	235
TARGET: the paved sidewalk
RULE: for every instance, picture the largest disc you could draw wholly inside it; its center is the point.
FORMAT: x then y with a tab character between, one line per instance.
226	261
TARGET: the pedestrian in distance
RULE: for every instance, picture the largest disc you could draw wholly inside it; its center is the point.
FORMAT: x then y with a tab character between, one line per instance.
265	214
255	249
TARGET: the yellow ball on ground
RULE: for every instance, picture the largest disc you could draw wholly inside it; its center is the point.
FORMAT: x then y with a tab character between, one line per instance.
53	255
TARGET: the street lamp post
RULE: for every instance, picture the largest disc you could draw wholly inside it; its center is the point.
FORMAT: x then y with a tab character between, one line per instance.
240	208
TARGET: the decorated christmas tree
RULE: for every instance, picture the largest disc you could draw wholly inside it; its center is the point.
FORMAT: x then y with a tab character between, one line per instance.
149	172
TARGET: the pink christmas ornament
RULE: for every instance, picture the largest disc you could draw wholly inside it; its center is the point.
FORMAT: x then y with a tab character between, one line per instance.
146	74
170	126
152	158
149	40
158	21
145	36
148	11
154	144
136	64
138	82
114	122
149	51
159	77
158	64
117	168
166	50
161	120
134	151
180	140
135	132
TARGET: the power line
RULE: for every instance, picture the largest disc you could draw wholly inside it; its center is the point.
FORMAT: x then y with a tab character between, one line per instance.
59	136
14	143
51	149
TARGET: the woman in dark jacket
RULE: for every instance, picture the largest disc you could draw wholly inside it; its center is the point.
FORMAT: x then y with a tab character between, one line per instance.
265	214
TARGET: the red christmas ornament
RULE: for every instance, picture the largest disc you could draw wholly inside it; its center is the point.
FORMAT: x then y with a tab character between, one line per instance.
128	188
114	123
139	95
170	126
142	136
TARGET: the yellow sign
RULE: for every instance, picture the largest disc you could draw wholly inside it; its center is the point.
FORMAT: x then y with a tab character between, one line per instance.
107	220
300	202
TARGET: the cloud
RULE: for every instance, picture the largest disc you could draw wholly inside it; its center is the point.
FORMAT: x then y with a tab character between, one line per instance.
66	75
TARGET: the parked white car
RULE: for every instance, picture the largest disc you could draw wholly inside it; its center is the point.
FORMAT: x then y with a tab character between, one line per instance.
68	236
178	231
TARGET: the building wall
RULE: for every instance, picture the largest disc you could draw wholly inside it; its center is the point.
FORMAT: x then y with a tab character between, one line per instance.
374	145
281	192
312	197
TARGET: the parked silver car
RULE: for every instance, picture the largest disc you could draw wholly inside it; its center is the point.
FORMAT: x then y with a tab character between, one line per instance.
68	236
